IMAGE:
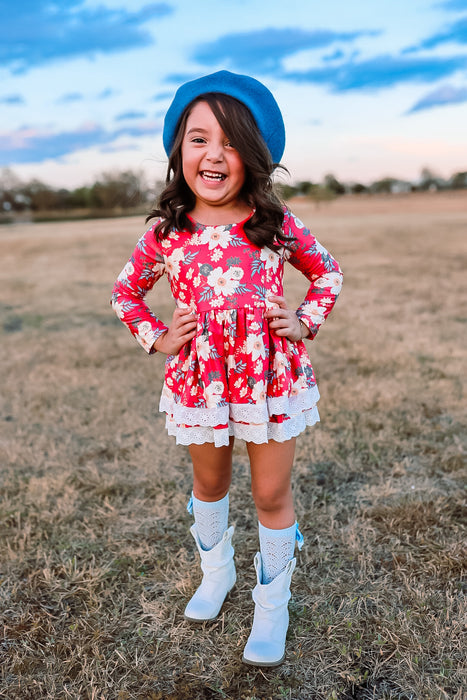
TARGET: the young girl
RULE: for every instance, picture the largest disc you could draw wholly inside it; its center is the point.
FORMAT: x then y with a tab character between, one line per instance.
236	362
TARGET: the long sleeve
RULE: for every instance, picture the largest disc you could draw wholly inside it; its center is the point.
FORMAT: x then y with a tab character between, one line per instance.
319	267
139	275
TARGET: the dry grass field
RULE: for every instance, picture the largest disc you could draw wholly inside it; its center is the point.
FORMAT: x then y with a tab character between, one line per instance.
96	563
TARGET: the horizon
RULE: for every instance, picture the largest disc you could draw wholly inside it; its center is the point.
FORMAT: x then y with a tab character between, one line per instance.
443	182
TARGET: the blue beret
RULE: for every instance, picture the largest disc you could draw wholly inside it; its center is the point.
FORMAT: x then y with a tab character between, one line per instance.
251	92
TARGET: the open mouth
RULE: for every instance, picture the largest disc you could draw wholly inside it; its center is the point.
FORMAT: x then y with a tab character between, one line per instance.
211	176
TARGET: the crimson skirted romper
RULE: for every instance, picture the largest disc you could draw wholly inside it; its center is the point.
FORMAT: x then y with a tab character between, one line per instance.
236	376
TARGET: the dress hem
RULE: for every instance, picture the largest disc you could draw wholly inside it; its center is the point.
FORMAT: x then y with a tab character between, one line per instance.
255	433
255	413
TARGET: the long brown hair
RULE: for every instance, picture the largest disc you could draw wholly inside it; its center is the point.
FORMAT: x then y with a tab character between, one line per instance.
265	226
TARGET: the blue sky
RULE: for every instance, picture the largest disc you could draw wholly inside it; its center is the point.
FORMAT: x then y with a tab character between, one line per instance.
367	88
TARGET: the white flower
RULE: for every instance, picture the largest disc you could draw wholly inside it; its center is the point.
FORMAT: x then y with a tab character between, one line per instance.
243	392
280	363
238	383
145	331
320	248
255	326
213	393
236	273
255	347
215	303
314	310
159	269
166	392
189	274
127	271
298	223
172	262
222	281
202	347
259	367
258	392
118	308
298	386
270	258
224	316
215	236
216	255
332	280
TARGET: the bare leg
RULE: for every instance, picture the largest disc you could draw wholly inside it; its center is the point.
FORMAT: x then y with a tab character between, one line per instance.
212	470
271	466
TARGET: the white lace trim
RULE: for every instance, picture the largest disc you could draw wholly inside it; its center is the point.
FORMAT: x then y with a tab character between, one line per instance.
240	413
279	432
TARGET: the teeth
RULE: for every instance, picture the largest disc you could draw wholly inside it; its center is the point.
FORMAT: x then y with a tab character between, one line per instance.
212	176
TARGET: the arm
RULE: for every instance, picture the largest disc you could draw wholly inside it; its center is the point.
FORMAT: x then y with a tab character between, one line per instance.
324	274
139	275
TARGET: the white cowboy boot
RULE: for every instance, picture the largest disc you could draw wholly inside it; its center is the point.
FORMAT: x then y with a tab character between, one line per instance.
266	643
219	578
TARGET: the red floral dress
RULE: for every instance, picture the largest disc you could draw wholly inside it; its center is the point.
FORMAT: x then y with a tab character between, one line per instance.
236	377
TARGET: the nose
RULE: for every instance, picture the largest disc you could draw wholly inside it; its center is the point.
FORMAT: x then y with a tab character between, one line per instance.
215	152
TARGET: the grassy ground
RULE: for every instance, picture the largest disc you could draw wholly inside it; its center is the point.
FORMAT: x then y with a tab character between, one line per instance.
96	563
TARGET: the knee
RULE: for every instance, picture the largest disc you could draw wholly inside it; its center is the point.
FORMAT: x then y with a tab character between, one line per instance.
212	489
270	498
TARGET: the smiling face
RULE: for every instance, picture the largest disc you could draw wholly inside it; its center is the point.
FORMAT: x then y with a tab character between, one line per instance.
212	168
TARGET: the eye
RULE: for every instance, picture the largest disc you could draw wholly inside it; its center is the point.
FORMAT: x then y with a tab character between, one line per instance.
198	139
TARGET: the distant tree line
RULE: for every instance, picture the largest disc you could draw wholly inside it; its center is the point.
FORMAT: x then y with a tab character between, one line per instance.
128	190
123	190
331	187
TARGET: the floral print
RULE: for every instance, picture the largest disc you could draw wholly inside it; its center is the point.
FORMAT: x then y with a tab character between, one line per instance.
236	377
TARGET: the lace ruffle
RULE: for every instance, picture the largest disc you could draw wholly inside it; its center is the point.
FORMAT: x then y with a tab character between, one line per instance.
257	433
240	413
